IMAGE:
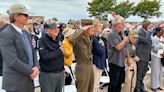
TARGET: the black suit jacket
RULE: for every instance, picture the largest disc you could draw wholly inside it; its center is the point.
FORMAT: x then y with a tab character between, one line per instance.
144	45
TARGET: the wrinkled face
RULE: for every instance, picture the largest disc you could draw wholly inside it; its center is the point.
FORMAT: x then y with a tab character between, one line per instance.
53	32
120	26
21	18
149	27
90	31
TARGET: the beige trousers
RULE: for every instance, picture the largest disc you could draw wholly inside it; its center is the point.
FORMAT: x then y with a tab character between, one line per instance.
130	80
97	76
84	78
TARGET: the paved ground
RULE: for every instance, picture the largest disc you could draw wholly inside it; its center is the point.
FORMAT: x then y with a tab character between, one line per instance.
146	80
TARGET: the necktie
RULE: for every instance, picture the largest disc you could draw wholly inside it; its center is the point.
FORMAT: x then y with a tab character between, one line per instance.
28	48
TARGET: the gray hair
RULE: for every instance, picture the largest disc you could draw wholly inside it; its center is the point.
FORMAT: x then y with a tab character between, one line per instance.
117	19
12	19
145	23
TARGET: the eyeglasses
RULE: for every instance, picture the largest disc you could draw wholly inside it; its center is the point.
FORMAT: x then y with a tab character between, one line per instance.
26	15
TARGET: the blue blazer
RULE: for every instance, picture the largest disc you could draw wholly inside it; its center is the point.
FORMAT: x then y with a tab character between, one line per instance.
98	52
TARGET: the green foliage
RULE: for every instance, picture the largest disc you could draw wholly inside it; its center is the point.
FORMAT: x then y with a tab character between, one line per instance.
101	8
124	9
147	9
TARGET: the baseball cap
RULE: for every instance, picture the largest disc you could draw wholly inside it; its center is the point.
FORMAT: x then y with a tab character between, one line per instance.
133	33
68	31
18	8
51	23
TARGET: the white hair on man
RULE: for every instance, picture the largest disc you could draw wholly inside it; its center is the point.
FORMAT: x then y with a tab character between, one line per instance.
117	19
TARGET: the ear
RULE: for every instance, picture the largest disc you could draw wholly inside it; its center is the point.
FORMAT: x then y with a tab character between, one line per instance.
15	16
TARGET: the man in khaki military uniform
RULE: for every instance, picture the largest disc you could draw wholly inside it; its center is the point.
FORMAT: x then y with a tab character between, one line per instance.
82	43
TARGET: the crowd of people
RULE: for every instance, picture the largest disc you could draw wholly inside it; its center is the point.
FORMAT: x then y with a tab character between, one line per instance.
29	49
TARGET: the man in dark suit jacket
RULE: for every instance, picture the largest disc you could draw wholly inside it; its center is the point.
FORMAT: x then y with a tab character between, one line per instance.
2	28
20	65
143	49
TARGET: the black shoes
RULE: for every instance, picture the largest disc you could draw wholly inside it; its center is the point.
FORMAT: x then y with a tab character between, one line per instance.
159	88
154	90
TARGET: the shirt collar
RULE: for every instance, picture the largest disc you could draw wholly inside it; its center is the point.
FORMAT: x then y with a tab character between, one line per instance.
116	31
17	29
144	30
157	37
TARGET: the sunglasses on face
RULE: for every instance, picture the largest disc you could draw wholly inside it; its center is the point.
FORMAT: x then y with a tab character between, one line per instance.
26	15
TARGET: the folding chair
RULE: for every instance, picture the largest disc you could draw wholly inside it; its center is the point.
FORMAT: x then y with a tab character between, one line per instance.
1	90
105	79
69	88
73	66
149	67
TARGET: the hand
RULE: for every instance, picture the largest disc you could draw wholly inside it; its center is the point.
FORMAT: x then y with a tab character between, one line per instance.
101	42
35	73
133	47
162	55
65	74
62	48
130	61
85	28
125	38
136	58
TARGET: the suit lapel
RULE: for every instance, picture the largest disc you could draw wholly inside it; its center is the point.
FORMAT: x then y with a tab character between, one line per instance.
143	31
17	34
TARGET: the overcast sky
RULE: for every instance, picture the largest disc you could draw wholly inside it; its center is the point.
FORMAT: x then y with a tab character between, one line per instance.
62	9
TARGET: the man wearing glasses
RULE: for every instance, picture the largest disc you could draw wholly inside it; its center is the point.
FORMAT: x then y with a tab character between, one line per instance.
20	66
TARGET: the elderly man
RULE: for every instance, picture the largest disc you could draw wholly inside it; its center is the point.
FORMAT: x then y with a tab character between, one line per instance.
20	65
130	73
143	48
82	43
51	59
116	54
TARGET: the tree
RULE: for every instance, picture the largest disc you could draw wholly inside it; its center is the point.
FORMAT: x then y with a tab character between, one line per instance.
147	9
124	9
100	8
